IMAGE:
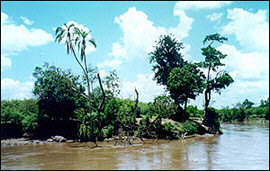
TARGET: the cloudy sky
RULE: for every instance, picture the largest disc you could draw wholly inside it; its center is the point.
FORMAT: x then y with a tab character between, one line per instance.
125	33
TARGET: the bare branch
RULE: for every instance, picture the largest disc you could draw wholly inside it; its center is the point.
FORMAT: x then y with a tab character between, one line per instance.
136	104
103	94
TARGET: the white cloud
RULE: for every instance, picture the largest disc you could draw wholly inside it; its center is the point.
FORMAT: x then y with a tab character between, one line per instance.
241	90
15	38
5	62
250	71
26	20
14	89
140	34
4	18
250	29
181	31
196	5
118	51
146	87
252	65
214	16
114	64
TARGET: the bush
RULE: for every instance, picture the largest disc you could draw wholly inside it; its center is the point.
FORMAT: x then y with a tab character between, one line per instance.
193	111
20	114
190	127
59	92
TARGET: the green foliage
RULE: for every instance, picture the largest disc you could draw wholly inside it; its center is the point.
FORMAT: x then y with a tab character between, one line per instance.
212	62
59	92
22	114
163	107
193	111
186	82
165	57
112	83
84	130
244	110
264	103
190	127
214	37
124	114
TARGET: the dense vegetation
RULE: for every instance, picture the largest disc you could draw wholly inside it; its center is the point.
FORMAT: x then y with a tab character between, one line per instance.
245	111
24	115
63	106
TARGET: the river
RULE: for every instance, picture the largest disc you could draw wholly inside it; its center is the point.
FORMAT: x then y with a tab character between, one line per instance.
242	146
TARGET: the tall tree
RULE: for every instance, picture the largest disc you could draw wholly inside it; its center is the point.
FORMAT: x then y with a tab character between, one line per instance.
216	79
165	57
185	83
73	36
82	40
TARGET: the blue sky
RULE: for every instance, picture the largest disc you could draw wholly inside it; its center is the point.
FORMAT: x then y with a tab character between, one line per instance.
125	33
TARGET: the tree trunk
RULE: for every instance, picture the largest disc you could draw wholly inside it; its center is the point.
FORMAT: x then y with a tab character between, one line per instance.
185	109
85	71
100	107
89	98
207	93
136	104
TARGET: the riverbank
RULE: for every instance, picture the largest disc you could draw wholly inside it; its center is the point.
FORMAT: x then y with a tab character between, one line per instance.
134	141
175	130
25	141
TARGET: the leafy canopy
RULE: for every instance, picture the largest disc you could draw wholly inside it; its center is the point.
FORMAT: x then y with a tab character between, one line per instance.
165	57
186	82
59	92
213	62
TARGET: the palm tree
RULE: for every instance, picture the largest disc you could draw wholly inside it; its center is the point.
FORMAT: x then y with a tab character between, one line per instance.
65	33
71	34
81	39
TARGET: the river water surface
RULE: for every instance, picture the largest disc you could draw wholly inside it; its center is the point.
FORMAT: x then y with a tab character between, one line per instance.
242	146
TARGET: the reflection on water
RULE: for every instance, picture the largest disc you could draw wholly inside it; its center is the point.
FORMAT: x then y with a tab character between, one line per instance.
242	146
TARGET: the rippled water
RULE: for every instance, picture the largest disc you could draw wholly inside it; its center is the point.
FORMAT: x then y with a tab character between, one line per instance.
242	146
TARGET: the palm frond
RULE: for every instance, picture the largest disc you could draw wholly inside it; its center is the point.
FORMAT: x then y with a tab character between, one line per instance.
76	40
79	45
60	36
93	42
71	25
77	31
58	30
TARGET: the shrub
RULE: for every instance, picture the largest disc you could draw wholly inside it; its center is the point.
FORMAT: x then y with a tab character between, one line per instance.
59	92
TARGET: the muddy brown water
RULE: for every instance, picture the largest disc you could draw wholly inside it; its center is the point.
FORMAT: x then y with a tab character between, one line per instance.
242	146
